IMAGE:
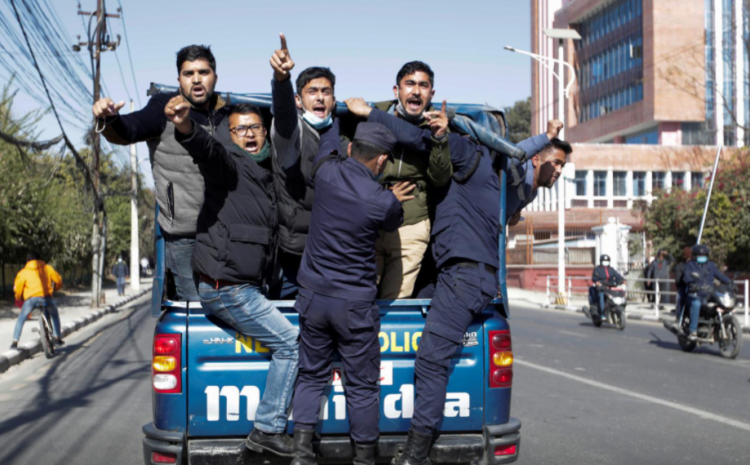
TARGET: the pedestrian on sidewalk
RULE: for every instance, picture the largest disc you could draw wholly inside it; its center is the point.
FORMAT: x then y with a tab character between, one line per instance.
120	271
34	285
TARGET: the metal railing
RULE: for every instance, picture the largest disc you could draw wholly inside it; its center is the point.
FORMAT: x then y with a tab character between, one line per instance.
634	294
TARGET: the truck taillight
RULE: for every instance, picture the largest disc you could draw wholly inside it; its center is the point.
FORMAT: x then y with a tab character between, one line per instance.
500	359
166	367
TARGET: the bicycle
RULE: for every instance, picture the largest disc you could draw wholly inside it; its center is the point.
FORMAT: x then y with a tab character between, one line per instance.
45	329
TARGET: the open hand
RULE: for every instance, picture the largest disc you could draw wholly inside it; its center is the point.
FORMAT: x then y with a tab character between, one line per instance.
358	107
401	190
553	128
178	112
281	61
106	107
438	120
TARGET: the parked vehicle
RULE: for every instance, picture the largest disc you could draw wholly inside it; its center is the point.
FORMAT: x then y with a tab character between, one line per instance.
614	306
714	326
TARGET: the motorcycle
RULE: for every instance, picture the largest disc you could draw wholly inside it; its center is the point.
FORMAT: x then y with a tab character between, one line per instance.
614	305
713	325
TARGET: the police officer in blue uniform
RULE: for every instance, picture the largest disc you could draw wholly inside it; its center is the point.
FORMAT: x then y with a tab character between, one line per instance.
700	273
465	249
336	302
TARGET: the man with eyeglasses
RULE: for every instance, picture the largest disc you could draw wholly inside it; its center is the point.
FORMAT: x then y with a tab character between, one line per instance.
298	122
235	244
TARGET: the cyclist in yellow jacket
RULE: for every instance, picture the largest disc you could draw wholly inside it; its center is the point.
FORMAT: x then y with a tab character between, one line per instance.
35	284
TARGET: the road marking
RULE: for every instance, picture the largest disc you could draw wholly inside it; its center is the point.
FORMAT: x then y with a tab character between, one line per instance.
655	400
569	333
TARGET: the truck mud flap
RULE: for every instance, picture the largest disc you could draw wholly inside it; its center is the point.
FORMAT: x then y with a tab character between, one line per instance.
449	448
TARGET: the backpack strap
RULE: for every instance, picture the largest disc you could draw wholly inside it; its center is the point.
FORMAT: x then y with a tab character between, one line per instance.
473	168
517	181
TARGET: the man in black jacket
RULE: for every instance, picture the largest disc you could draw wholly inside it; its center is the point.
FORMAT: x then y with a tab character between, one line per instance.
178	182
679	274
235	242
603	276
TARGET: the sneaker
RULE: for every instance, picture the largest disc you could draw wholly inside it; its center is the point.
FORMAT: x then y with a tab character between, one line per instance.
14	345
693	336
58	342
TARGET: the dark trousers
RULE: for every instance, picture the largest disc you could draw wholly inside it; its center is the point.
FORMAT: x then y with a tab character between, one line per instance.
461	293
287	286
179	251
351	327
120	281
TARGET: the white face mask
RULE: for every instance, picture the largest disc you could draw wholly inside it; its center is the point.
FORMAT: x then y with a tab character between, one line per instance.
605	263
316	121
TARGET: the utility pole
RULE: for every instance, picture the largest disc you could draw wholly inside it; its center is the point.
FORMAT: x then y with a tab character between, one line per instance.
97	43
135	279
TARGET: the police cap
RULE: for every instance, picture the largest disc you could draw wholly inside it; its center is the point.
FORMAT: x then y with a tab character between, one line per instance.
377	135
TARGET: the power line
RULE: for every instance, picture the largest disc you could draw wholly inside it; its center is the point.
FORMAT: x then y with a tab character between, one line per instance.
130	58
122	76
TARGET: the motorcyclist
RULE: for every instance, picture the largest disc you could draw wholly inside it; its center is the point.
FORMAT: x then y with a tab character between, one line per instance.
699	277
603	276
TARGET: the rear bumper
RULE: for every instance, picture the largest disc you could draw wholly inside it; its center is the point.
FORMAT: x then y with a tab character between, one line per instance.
449	448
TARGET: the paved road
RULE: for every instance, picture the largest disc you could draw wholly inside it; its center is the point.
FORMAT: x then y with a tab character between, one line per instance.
86	406
598	395
585	396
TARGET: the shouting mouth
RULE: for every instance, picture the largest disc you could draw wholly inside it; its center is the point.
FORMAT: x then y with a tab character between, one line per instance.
252	146
319	111
199	91
414	105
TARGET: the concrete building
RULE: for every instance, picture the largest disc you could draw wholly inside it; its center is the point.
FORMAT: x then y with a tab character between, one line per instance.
651	94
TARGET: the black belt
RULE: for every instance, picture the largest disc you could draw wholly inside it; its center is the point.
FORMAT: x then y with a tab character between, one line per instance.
470	264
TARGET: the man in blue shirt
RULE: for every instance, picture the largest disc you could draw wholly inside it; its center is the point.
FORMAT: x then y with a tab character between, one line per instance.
540	170
336	301
699	277
465	244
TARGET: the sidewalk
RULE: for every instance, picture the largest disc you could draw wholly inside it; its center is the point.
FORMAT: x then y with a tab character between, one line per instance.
71	305
634	310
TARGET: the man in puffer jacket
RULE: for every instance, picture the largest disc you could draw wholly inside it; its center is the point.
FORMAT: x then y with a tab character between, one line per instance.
35	284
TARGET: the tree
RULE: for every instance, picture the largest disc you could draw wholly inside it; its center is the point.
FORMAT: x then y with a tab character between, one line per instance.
519	120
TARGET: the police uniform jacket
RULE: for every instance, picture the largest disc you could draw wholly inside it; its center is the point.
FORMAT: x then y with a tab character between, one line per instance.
350	208
520	195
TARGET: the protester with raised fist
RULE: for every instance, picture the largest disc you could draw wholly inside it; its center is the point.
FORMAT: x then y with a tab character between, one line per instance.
178	182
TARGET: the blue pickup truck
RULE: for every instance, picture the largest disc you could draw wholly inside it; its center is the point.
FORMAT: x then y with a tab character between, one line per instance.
207	380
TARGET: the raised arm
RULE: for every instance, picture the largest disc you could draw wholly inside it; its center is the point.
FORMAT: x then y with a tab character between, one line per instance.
285	131
138	126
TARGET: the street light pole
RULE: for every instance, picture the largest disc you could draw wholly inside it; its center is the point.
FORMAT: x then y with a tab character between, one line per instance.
135	275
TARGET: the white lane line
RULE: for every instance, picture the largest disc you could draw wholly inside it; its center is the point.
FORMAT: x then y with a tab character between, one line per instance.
569	333
655	400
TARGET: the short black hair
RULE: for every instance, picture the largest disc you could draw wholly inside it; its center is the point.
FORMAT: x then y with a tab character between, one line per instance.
195	52
315	72
32	256
411	68
365	151
245	109
558	144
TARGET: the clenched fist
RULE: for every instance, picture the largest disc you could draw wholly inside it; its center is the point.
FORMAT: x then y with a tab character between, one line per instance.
106	107
553	128
178	112
281	61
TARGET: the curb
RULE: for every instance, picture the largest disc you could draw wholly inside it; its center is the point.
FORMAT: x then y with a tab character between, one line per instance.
15	356
629	316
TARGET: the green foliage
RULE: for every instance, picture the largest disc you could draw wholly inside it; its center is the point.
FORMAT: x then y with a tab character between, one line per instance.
673	220
44	206
519	120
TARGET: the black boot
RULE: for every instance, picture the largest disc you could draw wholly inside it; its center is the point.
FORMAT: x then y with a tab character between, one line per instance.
303	452
279	444
416	451
365	454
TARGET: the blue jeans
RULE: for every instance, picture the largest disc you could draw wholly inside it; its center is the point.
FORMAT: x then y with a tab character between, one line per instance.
695	302
121	285
247	310
27	308
601	302
179	251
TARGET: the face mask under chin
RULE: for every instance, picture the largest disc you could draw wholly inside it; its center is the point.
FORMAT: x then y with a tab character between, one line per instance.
316	121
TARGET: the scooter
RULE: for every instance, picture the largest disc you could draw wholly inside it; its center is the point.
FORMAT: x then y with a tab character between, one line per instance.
713	325
614	305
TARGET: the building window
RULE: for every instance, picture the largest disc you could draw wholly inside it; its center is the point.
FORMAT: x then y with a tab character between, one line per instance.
580	183
650	138
698	180
639	183
620	179
678	179
659	180
600	183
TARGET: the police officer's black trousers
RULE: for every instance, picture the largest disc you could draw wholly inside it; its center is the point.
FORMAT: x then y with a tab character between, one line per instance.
461	293
352	327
